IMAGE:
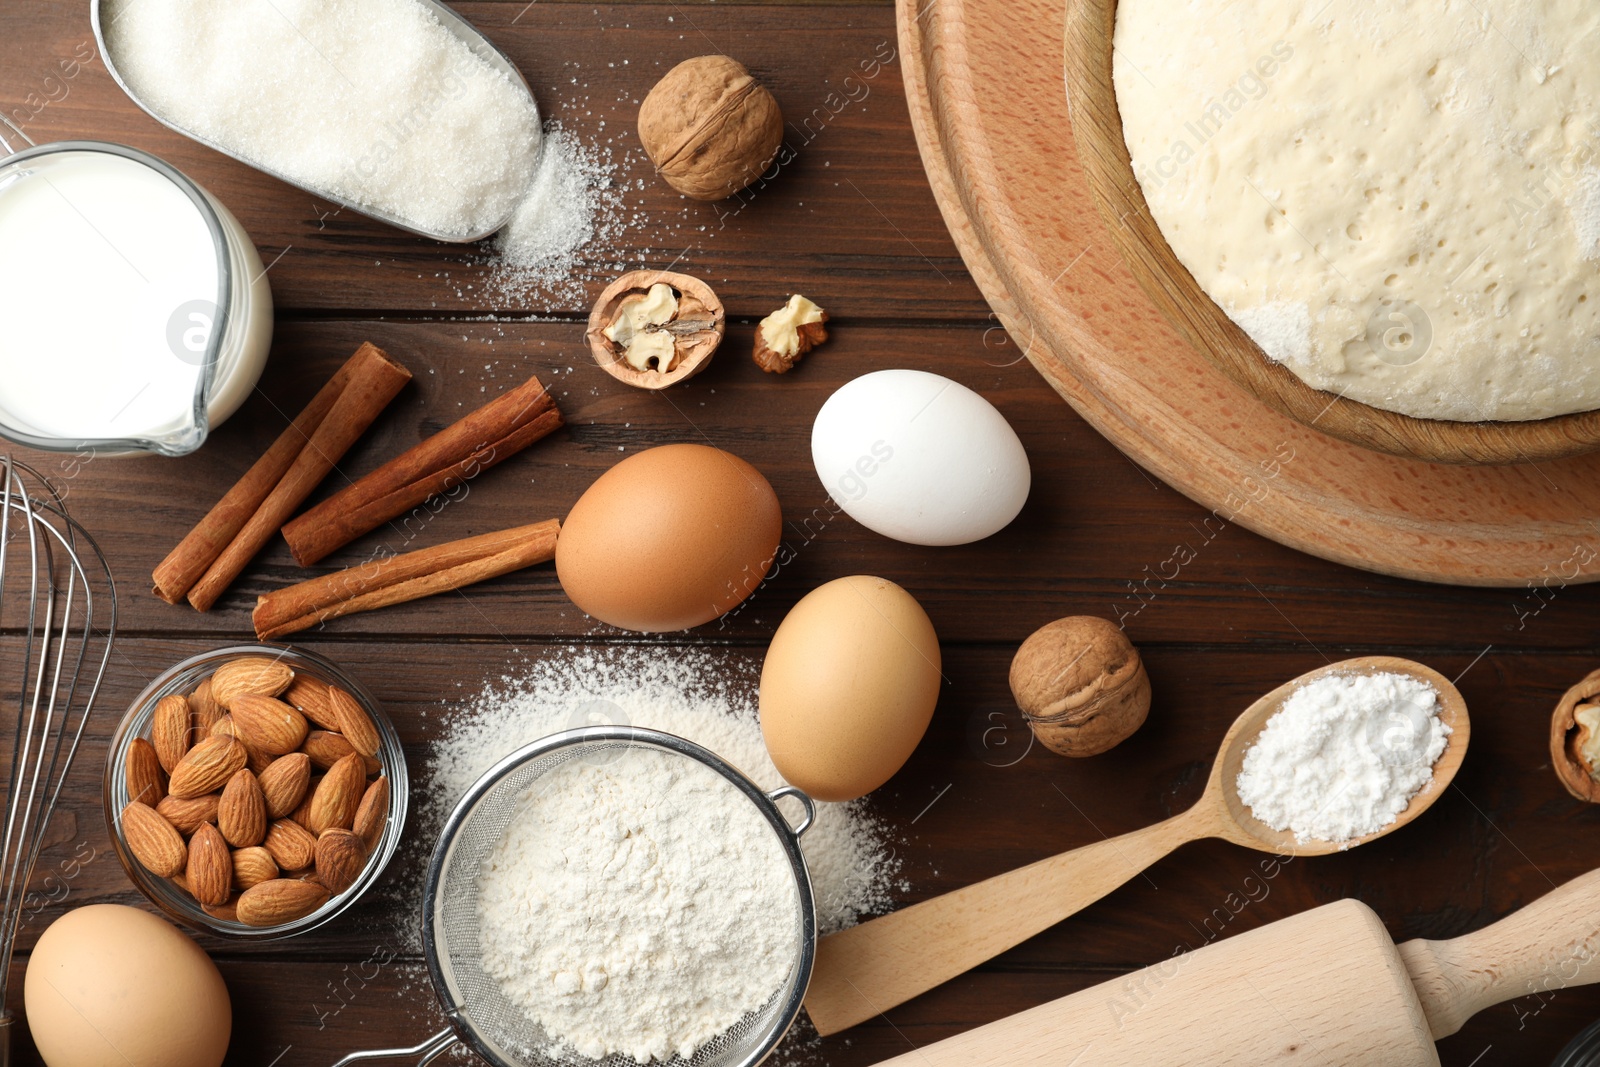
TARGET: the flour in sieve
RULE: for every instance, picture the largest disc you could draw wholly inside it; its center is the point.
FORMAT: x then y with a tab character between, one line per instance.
1344	755
707	698
638	904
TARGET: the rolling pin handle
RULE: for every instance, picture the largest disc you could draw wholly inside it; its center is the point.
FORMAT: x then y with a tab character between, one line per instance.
1551	944
872	967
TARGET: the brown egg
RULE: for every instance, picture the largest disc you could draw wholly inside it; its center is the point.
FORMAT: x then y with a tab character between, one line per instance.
849	686
669	538
110	984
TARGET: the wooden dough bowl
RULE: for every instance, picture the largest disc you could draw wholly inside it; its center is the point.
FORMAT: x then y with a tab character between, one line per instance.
1097	129
983	81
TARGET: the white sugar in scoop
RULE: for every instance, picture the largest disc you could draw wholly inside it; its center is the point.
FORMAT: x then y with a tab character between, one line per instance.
398	109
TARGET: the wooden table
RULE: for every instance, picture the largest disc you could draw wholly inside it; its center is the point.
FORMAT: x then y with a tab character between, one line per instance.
1220	614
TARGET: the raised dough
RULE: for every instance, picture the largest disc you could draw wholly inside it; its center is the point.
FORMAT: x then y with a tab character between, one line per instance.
1400	201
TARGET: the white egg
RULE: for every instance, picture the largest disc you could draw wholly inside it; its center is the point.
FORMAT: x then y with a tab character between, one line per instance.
920	458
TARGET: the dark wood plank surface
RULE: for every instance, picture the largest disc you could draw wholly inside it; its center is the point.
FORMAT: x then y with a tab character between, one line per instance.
844	224
853	225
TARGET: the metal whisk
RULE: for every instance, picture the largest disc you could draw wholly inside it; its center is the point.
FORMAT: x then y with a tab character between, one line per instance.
58	619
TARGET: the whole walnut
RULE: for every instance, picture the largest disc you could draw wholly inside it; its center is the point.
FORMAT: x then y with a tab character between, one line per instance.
709	127
1081	685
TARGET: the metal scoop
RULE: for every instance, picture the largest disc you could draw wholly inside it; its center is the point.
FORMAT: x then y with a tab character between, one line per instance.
451	21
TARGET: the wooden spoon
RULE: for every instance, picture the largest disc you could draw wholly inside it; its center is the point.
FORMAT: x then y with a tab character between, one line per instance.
872	967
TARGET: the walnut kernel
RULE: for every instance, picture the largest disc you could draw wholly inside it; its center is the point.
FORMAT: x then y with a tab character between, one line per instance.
787	334
1575	739
651	328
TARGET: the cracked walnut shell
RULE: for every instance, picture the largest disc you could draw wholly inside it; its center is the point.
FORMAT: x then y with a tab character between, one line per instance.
651	328
1081	685
710	128
1575	739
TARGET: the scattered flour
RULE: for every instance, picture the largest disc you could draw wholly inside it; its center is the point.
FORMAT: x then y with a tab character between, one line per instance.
709	699
1584	203
1344	756
1283	330
637	905
373	101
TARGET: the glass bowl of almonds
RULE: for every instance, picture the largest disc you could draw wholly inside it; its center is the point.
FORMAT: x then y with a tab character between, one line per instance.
255	792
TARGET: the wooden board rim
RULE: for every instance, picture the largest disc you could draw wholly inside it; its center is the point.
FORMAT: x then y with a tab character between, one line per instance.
1509	547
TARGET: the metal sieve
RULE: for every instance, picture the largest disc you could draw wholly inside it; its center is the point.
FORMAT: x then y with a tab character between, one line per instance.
478	1010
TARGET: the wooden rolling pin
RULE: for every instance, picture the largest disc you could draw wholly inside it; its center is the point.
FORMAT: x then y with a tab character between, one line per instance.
1327	986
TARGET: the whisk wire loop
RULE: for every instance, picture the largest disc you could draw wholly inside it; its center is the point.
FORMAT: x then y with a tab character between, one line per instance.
63	651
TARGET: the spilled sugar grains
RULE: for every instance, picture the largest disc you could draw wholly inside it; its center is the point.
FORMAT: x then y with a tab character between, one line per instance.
584	219
556	217
562	234
709	700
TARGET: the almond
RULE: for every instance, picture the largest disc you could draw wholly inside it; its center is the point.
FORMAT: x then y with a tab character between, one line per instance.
292	846
340	857
153	840
373	813
242	811
205	708
228	912
187	814
310	697
268	725
354	722
142	773
279	901
302	812
253	675
338	796
284	783
210	868
169	730
251	866
258	761
325	748
206	767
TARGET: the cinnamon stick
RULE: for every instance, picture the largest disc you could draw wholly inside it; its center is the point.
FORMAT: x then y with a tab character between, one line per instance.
453	456
184	565
375	379
410	576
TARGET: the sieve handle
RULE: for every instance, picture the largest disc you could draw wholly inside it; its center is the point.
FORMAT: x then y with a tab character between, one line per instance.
429	1050
805	801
